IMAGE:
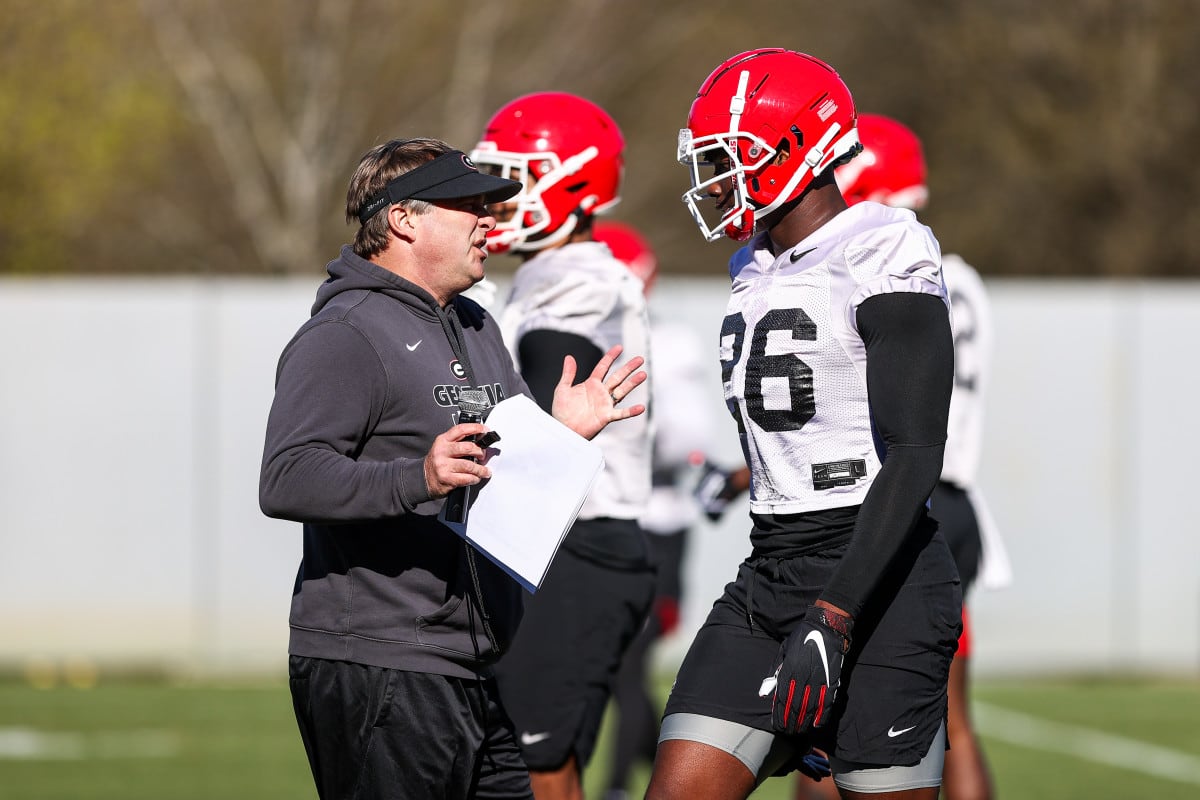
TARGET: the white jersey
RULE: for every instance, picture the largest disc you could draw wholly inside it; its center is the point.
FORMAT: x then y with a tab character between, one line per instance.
682	424
581	289
971	321
794	364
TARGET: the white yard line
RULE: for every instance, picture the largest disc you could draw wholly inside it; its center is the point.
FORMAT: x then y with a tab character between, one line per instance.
27	744
1088	744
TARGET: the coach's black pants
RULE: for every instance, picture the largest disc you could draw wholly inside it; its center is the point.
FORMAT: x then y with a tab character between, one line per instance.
383	734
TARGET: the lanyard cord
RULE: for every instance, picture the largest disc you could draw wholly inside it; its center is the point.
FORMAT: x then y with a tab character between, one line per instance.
453	330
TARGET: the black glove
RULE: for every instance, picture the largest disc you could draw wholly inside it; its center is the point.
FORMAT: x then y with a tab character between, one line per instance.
713	491
809	671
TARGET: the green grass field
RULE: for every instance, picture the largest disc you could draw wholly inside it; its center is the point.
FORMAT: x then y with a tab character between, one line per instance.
1056	740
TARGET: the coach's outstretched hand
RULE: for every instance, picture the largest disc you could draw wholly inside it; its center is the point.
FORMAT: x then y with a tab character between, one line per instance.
809	670
587	407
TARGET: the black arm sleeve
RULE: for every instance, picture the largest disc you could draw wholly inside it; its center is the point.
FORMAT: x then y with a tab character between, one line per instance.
540	354
910	373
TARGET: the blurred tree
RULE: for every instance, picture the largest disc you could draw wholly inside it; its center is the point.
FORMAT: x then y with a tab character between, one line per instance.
273	129
1054	132
287	95
85	123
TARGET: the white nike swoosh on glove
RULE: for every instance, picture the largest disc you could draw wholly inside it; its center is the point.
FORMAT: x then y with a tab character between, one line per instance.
820	640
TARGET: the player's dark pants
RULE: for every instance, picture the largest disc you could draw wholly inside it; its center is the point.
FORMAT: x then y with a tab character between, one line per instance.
951	507
556	677
637	709
892	699
384	734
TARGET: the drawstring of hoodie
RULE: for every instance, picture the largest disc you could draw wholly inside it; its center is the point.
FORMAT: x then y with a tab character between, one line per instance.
448	317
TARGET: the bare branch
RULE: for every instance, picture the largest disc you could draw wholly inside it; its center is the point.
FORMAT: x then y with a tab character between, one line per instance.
199	77
470	70
276	152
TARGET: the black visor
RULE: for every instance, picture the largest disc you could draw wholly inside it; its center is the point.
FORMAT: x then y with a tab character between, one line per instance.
448	177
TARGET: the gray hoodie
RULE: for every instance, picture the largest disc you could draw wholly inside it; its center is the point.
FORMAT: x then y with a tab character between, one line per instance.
361	391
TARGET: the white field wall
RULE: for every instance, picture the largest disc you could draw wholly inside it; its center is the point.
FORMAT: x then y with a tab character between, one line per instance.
131	426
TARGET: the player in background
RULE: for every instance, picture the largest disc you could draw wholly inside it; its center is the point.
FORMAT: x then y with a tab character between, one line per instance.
682	429
891	170
570	296
837	365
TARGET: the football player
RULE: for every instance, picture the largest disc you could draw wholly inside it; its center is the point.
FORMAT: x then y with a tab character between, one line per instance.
837	364
891	170
570	296
681	433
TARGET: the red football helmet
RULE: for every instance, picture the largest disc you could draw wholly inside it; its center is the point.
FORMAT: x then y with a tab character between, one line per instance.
891	168
750	109
567	151
629	247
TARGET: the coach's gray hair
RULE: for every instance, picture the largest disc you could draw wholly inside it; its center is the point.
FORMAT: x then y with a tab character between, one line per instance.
376	168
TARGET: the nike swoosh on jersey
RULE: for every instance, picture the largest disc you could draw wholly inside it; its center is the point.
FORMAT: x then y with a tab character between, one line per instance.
893	733
814	636
797	256
532	738
412	347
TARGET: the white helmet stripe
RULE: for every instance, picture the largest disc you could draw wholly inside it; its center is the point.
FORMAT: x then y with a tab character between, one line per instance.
737	103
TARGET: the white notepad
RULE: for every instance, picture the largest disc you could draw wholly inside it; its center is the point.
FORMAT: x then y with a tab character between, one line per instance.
541	473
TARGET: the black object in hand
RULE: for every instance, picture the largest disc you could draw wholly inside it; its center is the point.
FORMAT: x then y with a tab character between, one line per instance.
473	405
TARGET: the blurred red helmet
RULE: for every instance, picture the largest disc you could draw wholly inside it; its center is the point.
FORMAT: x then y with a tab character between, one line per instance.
890	169
569	154
629	247
751	108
